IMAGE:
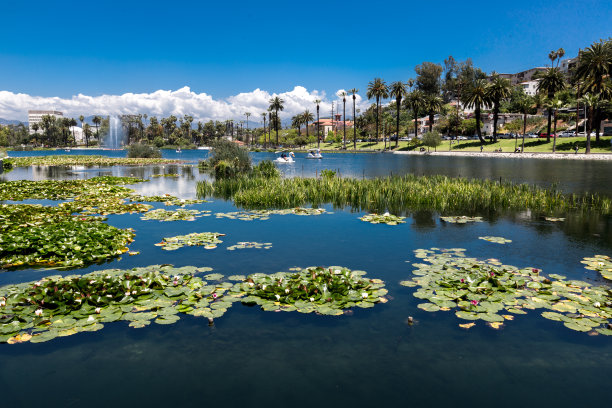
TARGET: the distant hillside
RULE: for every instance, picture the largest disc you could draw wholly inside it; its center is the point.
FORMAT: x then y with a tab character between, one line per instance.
11	122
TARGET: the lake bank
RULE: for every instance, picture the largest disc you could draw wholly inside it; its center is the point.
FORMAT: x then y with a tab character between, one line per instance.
526	155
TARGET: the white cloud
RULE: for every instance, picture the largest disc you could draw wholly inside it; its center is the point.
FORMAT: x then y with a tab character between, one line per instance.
161	103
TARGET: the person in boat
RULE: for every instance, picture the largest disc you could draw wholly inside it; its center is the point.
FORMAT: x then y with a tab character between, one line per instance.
283	155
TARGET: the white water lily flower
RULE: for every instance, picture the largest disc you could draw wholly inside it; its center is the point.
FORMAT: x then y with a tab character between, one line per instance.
337	271
277	297
127	293
251	284
364	295
286	290
597	304
38	312
91	282
263	287
134	292
90	319
2	302
312	299
109	296
98	310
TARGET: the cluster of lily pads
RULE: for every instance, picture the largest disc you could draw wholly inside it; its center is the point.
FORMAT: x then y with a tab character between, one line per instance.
265	214
207	239
496	240
86	160
167	199
59	306
554	219
494	293
600	263
36	235
165	175
250	245
327	291
460	219
175	215
385	218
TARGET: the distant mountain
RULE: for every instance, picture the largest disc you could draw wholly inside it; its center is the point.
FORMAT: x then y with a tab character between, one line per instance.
11	122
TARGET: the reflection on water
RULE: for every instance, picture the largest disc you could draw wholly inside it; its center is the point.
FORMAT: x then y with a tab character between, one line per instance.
372	358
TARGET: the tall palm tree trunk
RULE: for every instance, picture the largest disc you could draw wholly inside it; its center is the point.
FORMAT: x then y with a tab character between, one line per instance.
416	122
495	119
377	99
555	132
276	126
597	123
344	124
478	130
431	119
397	118
549	125
318	137
524	131
588	135
354	126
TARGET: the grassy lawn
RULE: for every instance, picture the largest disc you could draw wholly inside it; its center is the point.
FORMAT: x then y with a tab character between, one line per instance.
564	145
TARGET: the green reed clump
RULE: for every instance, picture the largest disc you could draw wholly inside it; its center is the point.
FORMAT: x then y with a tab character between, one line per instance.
399	193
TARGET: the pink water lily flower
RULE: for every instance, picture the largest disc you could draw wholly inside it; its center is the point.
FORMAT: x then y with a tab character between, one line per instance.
214	295
38	312
462	280
474	302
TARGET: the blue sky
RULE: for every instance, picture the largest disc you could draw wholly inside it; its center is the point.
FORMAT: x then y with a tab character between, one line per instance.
63	48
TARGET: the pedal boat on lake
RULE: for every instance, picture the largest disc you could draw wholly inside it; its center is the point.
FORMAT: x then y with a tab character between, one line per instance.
314	154
284	157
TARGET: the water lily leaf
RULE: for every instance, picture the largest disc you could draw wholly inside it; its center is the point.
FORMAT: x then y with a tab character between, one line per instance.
429	307
467	325
576	326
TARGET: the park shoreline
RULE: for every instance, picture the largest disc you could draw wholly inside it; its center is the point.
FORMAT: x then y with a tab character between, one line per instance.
526	155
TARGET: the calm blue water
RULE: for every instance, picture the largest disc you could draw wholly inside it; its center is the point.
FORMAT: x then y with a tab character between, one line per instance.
372	358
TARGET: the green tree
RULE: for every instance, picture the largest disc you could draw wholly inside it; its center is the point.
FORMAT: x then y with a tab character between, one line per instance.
498	90
432	139
96	121
432	105
343	95
428	78
416	102
353	92
377	89
296	122
307	118
477	97
247	114
551	82
398	91
591	102
317	102
264	115
524	105
276	104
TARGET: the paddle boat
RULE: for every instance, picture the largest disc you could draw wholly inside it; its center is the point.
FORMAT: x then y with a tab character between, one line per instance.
284	157
178	150
314	154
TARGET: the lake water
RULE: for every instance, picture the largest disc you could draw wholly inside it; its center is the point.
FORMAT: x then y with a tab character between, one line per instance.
371	358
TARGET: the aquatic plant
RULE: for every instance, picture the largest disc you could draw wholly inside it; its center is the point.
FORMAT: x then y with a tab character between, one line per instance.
62	306
460	219
397	194
385	218
250	245
327	291
167	199
600	263
265	214
266	169
174	215
497	240
165	175
141	150
207	239
82	160
483	290
554	219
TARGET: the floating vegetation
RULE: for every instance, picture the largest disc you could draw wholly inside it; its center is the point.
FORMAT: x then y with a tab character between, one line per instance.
86	160
64	189
174	215
103	205
165	175
385	218
208	239
34	235
167	199
600	263
554	219
59	306
497	240
62	306
265	214
398	193
327	291
250	245
460	219
488	291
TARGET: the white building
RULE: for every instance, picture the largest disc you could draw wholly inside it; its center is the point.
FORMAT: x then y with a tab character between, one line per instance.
568	64
77	132
530	87
35	116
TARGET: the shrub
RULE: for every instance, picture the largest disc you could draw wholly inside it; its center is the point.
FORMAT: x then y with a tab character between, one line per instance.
158	141
224	168
328	174
266	169
139	150
432	139
232	154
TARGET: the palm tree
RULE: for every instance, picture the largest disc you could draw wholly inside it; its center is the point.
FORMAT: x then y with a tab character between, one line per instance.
82	119
594	70
264	115
476	97
398	91
307	117
415	101
247	114
552	81
498	89
524	104
433	104
343	94
97	120
296	122
377	89
317	102
269	125
555	104
276	104
353	92
590	101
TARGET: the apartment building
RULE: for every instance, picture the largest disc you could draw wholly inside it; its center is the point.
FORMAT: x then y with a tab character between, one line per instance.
35	116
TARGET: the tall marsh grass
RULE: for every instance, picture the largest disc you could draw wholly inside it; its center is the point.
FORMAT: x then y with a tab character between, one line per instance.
398	194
